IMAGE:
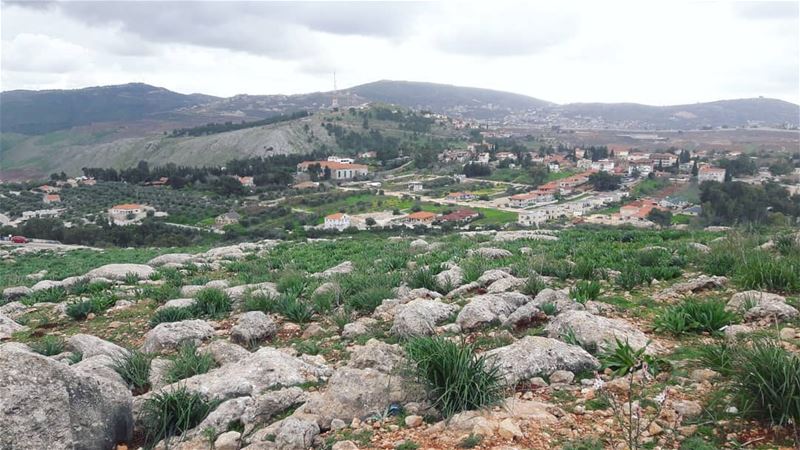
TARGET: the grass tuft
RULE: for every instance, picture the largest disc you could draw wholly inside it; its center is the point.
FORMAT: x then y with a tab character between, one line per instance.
48	345
188	363
134	368
168	414
456	377
171	314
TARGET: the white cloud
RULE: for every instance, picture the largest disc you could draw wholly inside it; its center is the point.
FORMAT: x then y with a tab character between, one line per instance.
658	52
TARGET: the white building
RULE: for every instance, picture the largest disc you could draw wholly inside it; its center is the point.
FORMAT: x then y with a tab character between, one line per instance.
338	221
603	165
415	186
339	159
530	198
709	173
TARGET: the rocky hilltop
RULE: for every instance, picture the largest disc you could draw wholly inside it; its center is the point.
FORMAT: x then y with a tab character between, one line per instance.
490	340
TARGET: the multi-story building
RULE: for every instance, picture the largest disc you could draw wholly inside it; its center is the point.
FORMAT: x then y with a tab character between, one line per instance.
709	173
338	171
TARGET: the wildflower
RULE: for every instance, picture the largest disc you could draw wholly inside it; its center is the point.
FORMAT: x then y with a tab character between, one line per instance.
660	398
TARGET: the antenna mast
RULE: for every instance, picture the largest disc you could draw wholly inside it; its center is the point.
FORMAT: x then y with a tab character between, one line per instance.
335	99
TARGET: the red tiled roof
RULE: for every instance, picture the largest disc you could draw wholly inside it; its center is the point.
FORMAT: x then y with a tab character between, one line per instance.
333	165
128	206
421	215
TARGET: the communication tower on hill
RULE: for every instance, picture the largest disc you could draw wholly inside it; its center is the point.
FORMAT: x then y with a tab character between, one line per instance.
335	99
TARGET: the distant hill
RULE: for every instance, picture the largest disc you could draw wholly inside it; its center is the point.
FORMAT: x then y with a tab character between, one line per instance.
732	113
36	112
140	105
470	102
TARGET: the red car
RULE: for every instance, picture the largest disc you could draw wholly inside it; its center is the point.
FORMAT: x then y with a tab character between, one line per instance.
19	239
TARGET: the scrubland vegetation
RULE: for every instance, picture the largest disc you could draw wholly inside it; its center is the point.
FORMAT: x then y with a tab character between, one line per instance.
631	275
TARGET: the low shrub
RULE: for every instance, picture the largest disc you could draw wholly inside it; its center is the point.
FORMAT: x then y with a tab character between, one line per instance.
367	300
259	302
584	444
79	310
473	268
162	293
297	311
471	441
585	291
292	283
131	278
171	413
407	445
211	302
51	295
760	270
424	277
134	368
533	285
48	345
717	356
188	363
766	382
624	359
549	308
695	315
171	314
456	377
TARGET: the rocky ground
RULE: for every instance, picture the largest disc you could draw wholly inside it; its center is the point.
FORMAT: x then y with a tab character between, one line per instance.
295	360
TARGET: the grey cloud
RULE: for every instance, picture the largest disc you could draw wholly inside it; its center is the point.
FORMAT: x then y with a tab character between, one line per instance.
509	39
276	29
788	10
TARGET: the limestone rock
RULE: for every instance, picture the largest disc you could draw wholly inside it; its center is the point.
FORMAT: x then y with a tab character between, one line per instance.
253	326
491	253
261	371
339	269
760	305
179	303
90	346
171	335
63	407
9	327
15	293
453	277
597	331
119	272
534	355
377	355
225	352
701	283
420	317
171	258
360	393
489	308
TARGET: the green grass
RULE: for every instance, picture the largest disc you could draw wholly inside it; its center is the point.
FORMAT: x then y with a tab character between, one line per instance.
212	302
456	377
48	345
188	363
766	382
585	291
168	414
171	314
134	368
693	315
74	262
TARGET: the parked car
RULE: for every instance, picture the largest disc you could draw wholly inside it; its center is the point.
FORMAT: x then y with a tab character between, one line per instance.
19	239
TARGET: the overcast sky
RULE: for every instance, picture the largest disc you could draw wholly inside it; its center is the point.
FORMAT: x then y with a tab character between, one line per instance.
656	52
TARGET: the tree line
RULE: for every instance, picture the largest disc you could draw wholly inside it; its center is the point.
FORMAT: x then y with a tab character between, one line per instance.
214	127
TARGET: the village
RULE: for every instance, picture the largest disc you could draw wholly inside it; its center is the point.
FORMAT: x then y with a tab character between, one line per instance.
595	185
